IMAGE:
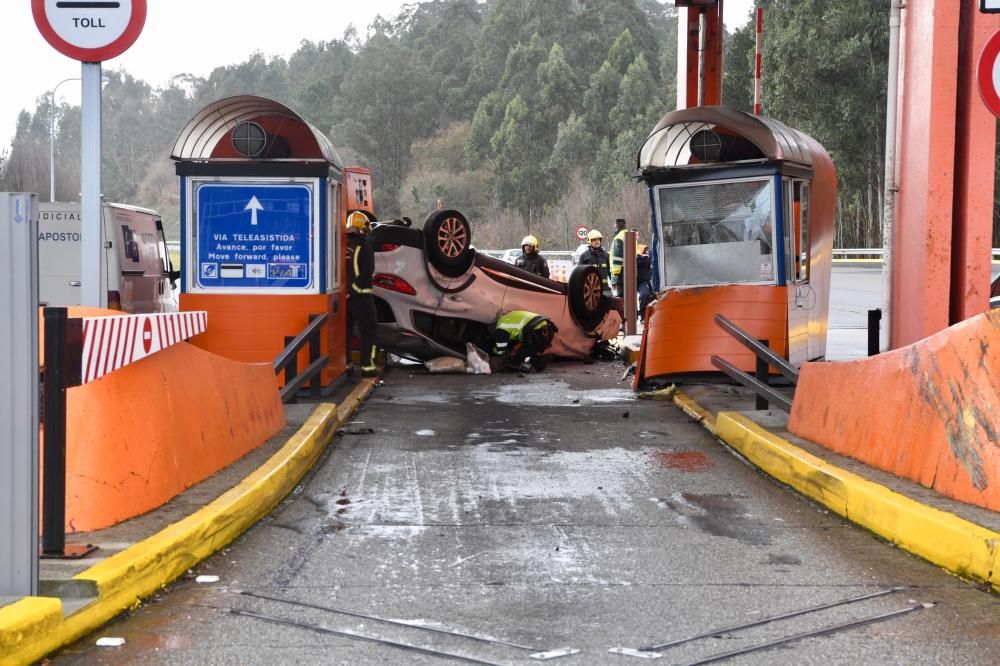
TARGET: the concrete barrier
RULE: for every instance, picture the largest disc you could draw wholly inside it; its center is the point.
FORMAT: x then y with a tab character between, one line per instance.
929	412
143	434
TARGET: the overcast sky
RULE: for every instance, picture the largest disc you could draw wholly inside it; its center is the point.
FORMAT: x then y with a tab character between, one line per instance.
190	36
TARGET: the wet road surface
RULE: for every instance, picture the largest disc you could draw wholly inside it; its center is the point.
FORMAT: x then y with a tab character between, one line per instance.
549	510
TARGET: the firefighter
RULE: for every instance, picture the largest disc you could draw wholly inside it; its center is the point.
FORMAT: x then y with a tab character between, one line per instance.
360	302
595	255
618	258
530	260
520	340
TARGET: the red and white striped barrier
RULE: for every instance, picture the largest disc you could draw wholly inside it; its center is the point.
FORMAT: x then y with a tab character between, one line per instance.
111	343
757	62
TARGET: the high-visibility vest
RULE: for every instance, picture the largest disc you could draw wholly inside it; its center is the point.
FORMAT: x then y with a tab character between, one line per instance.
618	253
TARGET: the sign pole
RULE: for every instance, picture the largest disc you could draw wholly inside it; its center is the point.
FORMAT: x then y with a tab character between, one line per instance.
19	395
90	182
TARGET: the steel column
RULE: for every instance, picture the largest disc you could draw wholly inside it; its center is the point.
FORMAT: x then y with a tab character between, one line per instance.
91	229
19	395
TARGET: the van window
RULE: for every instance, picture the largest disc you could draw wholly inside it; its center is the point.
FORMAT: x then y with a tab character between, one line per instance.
717	232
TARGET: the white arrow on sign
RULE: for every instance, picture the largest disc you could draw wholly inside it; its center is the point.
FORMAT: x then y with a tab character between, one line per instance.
253	206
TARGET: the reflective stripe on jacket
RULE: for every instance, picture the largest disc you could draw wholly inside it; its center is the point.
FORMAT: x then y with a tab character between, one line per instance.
618	253
360	264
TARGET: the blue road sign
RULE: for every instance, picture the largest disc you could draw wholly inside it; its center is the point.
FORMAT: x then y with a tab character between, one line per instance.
254	235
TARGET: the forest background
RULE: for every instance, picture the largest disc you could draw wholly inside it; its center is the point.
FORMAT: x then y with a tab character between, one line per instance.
525	115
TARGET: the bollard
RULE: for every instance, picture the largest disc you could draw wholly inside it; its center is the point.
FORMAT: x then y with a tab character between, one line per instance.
63	344
874	324
54	460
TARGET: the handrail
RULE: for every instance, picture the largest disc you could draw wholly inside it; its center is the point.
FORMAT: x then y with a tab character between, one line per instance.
765	358
761	351
287	360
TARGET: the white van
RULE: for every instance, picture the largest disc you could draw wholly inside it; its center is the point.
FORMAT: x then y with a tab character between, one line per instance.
137	272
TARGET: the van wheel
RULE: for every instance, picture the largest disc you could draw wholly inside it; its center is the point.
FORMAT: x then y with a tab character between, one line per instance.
448	242
587	302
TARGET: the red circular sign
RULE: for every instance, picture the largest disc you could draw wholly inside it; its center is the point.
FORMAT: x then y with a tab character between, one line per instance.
89	31
147	334
581	232
988	75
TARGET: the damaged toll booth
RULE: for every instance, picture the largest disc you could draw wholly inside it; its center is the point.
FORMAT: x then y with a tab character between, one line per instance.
742	211
262	208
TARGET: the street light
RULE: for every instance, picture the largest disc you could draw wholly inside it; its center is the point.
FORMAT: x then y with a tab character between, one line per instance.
52	133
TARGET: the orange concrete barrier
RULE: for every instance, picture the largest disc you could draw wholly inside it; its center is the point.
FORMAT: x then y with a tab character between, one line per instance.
141	435
929	412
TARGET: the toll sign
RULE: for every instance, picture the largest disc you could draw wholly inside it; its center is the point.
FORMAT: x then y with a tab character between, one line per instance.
90	31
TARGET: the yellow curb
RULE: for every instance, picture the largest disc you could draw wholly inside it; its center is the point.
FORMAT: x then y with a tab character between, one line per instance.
957	545
695	411
34	627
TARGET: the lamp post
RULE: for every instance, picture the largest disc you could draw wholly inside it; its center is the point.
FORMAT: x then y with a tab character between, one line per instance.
52	138
52	133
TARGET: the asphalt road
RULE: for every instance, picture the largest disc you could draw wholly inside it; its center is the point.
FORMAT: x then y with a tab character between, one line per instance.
549	510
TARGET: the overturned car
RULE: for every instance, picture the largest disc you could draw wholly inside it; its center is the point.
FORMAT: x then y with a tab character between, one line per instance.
434	293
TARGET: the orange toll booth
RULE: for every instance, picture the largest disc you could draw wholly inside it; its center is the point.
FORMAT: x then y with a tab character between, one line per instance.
263	207
742	212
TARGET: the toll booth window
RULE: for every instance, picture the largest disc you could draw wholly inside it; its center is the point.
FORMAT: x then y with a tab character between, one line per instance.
717	232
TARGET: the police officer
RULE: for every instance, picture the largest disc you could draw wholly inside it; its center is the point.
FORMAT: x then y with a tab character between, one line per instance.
530	260
360	302
520	340
595	255
618	258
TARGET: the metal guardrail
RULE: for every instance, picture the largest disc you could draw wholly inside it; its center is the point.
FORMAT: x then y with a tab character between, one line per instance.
876	252
288	360
759	382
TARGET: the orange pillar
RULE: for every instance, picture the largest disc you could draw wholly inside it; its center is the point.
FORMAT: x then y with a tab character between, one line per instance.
974	175
941	267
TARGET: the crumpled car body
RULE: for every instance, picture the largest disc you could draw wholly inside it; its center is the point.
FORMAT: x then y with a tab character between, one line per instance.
434	293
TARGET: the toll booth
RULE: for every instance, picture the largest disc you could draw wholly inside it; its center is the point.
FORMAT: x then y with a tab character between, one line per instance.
262	211
742	211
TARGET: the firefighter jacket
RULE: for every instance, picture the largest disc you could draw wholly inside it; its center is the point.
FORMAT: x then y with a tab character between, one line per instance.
599	258
360	265
643	269
533	263
617	255
521	326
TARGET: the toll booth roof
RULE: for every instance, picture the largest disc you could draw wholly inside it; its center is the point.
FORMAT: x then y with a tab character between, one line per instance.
713	134
203	138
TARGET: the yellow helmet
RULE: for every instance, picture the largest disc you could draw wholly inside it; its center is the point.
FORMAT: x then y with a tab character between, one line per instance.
594	234
357	220
529	240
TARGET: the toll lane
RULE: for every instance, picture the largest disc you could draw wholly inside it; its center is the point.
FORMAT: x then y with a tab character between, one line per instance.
547	511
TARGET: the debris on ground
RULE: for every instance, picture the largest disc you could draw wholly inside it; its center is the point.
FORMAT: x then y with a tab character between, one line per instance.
110	641
425	433
445	364
206	579
661	394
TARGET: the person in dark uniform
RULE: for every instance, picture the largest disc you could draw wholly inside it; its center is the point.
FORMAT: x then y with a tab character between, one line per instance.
595	255
360	302
643	278
530	260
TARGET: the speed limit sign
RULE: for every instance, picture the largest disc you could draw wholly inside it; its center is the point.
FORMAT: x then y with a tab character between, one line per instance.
581	232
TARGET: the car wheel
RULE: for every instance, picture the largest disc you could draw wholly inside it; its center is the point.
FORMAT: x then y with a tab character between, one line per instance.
587	302
448	242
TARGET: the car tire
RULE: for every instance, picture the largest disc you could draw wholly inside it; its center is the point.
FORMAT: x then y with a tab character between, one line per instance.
587	302
448	242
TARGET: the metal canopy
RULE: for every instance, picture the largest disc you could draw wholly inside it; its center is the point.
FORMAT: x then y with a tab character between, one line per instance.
668	144
201	135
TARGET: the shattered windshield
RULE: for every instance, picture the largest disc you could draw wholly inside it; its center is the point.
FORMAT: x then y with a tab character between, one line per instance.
716	233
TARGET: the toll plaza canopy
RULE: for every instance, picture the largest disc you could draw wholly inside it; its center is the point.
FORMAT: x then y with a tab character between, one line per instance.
714	134
202	137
